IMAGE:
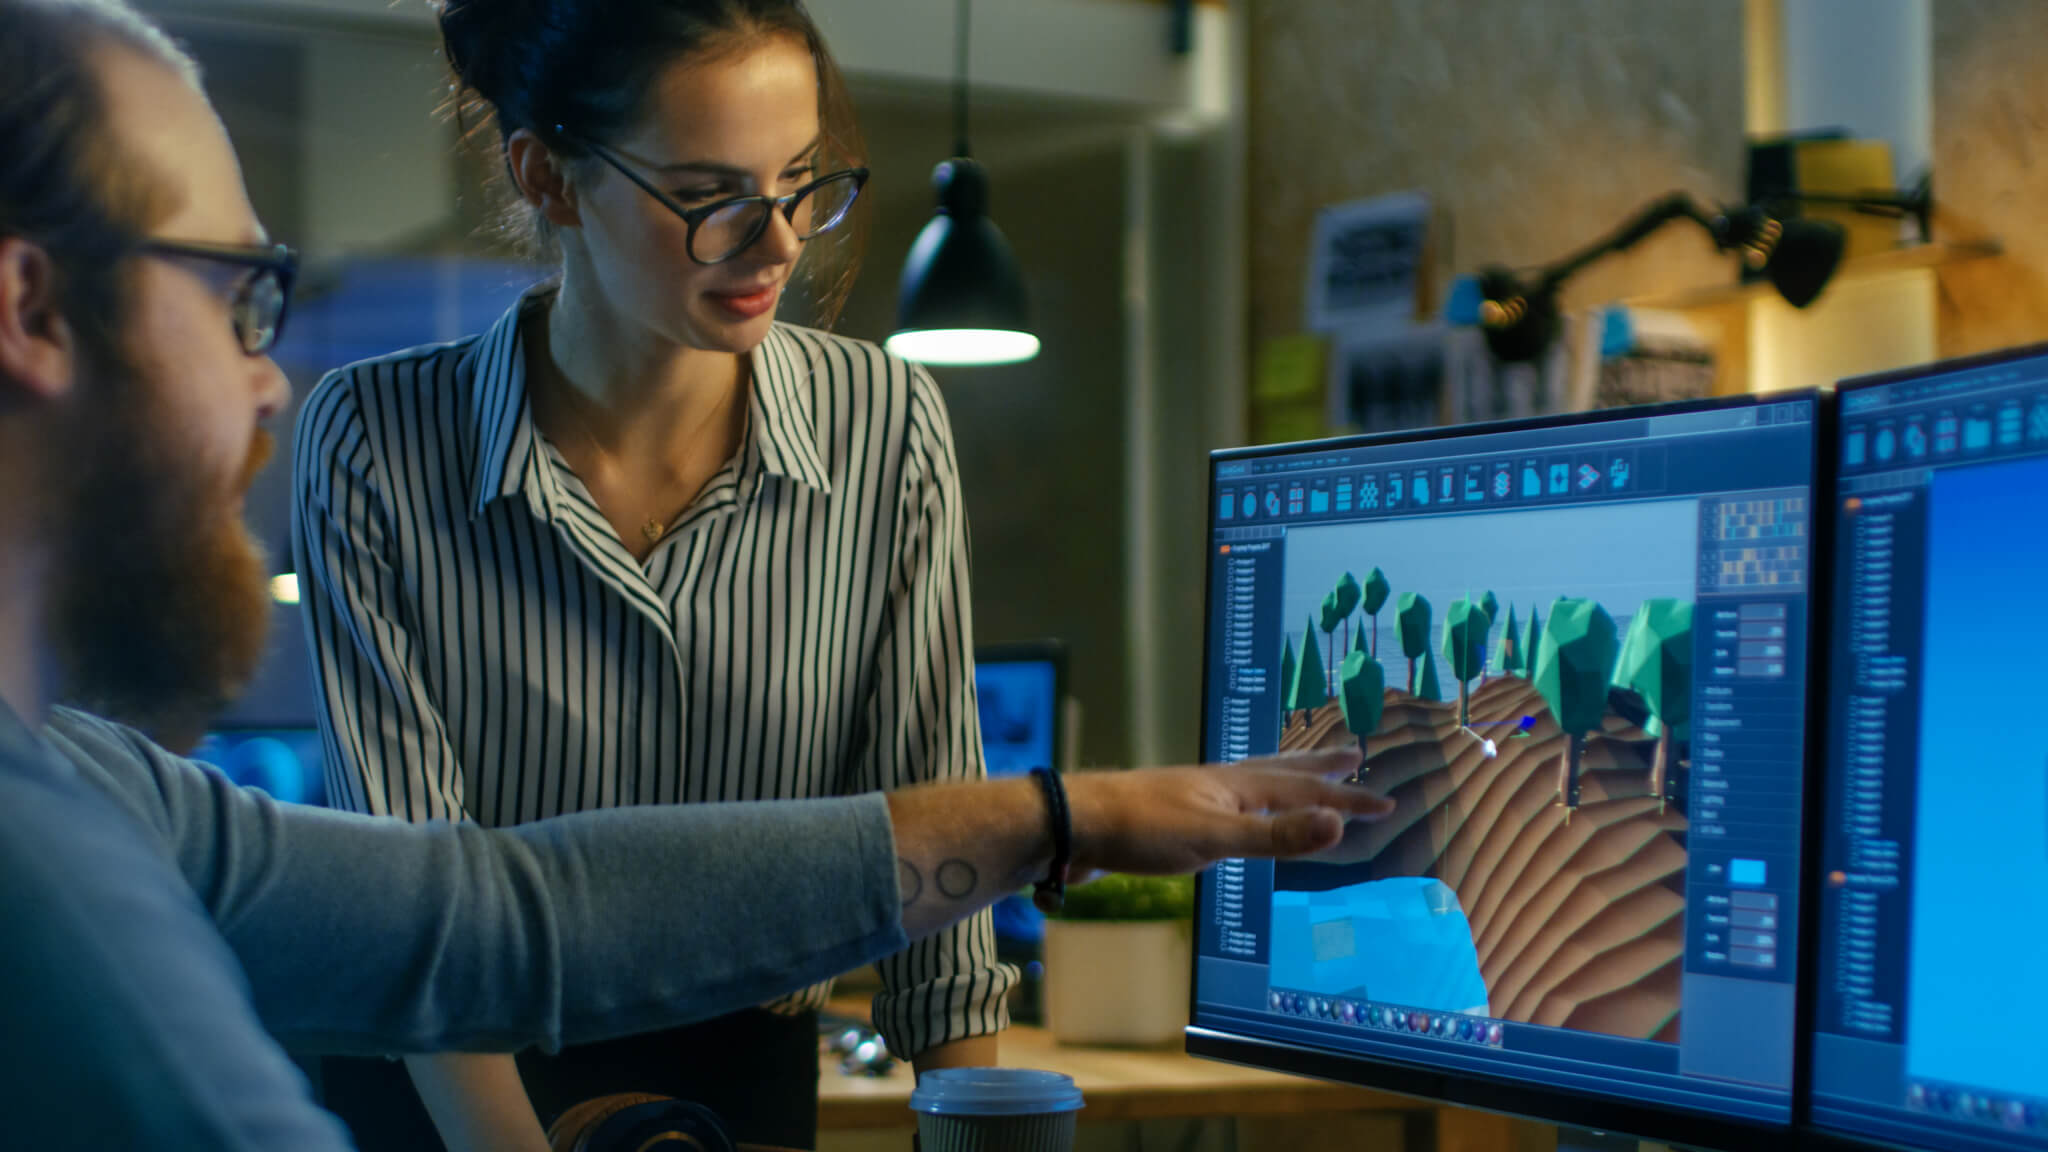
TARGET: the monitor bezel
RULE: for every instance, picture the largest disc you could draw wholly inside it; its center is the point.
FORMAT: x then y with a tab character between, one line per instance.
1046	650
1817	1134
1523	1098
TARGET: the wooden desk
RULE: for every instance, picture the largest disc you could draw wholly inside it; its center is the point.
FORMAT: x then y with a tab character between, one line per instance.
1118	1084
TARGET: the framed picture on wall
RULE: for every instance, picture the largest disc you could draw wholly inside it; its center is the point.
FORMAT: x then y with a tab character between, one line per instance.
1386	379
1365	262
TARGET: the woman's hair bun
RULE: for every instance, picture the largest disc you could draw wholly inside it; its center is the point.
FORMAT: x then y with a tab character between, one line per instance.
489	40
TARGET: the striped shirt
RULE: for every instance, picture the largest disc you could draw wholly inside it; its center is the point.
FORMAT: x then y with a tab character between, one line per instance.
488	650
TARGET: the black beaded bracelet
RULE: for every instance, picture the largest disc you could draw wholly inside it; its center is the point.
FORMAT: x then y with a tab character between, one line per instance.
1050	894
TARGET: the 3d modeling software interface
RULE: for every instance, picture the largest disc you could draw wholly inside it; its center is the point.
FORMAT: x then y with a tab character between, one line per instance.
1574	654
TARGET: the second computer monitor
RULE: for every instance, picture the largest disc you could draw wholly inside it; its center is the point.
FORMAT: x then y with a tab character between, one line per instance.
1933	883
1575	653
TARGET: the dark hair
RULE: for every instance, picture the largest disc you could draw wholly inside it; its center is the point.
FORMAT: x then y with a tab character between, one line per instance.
589	65
63	183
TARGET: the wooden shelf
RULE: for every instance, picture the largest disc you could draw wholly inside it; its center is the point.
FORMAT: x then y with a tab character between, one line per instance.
1905	259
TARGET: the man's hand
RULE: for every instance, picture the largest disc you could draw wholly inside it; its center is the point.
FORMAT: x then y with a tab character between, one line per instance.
1166	820
961	846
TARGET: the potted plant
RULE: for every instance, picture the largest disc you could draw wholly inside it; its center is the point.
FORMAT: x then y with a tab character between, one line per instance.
1117	959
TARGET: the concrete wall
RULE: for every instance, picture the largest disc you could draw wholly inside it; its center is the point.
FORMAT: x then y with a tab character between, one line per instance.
1991	169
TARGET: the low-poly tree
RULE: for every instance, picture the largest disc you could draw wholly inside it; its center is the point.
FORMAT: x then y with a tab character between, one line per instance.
1310	689
1374	598
1656	663
1286	681
1508	658
1361	693
1411	618
1574	665
1348	594
1330	619
1491	605
1424	684
1465	628
1534	638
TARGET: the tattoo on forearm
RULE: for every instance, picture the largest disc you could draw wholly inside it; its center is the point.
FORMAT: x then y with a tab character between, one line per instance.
957	879
908	881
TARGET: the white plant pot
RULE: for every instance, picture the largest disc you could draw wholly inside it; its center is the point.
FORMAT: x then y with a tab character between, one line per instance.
1120	982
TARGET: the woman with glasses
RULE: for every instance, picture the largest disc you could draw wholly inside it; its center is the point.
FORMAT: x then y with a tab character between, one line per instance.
641	543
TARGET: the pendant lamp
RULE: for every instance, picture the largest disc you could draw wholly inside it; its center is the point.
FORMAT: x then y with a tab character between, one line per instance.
962	296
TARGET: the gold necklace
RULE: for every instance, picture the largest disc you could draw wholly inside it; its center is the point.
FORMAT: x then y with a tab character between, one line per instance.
652	528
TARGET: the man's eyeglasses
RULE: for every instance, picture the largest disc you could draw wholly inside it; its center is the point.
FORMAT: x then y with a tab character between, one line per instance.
723	229
262	294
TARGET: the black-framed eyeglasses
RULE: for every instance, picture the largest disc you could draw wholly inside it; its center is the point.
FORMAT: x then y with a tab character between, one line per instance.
723	229
261	296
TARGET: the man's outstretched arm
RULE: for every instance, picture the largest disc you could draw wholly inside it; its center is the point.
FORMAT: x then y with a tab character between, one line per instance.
362	934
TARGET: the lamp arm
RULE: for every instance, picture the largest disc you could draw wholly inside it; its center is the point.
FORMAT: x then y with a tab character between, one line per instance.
1659	213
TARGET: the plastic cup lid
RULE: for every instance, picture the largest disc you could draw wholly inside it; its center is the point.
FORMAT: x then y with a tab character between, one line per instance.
994	1092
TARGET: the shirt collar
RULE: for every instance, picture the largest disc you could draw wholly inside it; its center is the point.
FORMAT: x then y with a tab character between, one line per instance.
781	418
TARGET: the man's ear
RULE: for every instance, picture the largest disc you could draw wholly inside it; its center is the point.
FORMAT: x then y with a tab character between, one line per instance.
542	179
38	348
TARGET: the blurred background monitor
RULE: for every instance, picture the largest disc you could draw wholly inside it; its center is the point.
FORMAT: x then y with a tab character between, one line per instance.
1021	693
284	762
1575	649
1932	895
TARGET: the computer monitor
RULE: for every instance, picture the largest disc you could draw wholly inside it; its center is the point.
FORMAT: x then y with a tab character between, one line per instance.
1575	649
285	762
1932	880
1018	690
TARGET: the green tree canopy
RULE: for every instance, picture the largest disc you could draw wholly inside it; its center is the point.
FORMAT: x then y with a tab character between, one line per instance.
1348	595
1286	674
1656	661
1575	663
1423	682
1510	654
1411	616
1362	694
1376	591
1465	628
1310	689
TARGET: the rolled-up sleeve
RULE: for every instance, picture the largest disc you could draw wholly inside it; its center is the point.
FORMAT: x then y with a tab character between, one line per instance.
368	935
924	726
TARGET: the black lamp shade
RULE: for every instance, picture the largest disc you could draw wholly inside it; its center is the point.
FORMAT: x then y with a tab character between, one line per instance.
962	297
1806	256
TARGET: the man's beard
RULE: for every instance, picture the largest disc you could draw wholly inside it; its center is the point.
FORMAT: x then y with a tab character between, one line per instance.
162	594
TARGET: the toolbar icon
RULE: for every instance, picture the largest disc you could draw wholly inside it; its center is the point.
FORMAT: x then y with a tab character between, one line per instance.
1503	481
1589	478
1421	489
1854	446
1916	440
1886	445
1618	474
1976	433
1532	479
1561	478
1396	483
1369	493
